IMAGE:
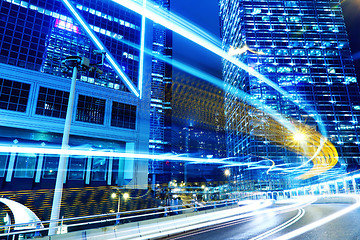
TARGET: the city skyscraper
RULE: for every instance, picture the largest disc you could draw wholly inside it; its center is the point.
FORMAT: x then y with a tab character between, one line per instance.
160	107
302	46
112	97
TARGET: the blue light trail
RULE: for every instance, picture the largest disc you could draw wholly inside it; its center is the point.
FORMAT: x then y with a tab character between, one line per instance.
164	157
189	31
142	47
241	94
102	47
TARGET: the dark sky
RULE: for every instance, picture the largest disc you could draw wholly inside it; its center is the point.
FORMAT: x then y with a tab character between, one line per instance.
351	10
205	13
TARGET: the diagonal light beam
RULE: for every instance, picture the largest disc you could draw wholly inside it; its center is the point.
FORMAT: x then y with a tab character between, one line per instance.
99	44
187	30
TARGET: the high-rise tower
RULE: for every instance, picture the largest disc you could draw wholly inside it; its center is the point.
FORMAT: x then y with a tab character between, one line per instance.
160	107
302	46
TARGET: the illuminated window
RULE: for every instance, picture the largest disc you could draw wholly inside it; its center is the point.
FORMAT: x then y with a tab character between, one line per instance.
268	69
294	19
98	169
298	52
281	52
256	11
90	109
50	167
350	79
52	102
331	70
76	168
315	52
25	165
284	69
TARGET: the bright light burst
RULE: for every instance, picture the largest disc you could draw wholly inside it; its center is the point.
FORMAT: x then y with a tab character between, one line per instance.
299	137
304	140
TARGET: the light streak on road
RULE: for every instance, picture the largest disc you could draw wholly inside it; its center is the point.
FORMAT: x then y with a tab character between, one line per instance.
319	223
72	152
286	224
231	220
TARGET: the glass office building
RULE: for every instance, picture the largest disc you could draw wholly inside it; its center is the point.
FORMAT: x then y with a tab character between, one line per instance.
160	107
36	36
302	46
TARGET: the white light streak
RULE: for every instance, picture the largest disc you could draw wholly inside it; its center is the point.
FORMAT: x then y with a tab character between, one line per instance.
286	224
142	50
319	223
101	46
189	31
70	152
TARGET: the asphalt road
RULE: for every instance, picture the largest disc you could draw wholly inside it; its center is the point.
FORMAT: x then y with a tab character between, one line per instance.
346	227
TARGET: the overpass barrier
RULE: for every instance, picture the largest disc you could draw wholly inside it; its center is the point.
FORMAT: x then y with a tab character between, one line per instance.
163	226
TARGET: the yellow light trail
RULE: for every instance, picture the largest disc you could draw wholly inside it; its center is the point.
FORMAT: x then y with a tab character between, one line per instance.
205	103
306	141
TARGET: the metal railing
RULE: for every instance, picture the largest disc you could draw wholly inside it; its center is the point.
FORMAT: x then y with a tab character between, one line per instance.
33	229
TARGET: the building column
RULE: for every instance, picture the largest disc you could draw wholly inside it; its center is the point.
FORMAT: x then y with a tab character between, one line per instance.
39	168
109	170
354	184
10	167
88	170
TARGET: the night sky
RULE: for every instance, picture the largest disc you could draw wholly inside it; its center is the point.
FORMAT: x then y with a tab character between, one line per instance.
351	10
205	13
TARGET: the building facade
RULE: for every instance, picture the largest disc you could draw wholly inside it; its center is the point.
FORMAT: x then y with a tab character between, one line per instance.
160	108
301	46
112	99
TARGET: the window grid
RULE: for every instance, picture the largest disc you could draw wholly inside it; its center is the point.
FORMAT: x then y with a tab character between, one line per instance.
38	35
52	102
123	115
90	109
13	95
306	52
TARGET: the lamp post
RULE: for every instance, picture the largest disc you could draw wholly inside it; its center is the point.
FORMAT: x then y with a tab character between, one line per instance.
227	174
73	62
125	196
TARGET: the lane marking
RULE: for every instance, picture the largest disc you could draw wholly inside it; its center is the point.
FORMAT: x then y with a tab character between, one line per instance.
286	224
209	229
318	223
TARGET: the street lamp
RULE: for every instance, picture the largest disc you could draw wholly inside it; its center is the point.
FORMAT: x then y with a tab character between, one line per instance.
75	63
125	196
227	175
227	172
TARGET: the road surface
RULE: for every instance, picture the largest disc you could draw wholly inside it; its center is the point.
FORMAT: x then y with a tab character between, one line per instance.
275	225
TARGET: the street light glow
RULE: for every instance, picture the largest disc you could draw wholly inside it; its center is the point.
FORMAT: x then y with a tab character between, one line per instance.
227	172
113	195
126	196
